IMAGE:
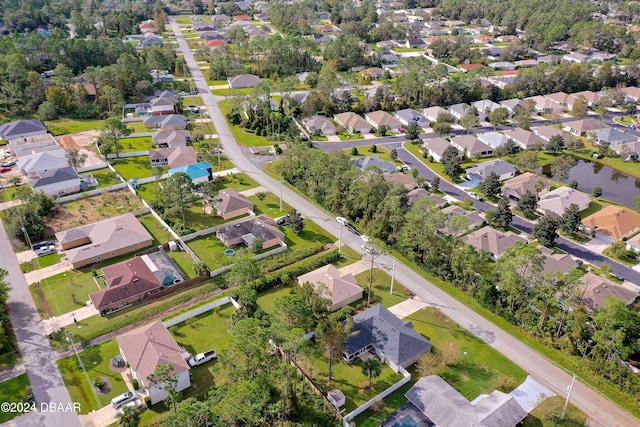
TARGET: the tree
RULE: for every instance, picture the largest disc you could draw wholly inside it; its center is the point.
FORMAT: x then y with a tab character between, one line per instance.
490	186
429	363
200	268
372	368
112	130
383	129
546	229
241	402
393	154
570	220
165	378
295	222
76	158
129	416
354	151
528	204
503	215
435	184
332	335
636	202
573	184
441	128
256	245
178	195
469	121
244	270
555	144
596	192
580	108
451	162
618	249
412	131
561	166
15	180
498	116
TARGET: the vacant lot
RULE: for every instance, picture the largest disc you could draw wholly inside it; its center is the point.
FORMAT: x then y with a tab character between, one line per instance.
134	167
141	143
63	126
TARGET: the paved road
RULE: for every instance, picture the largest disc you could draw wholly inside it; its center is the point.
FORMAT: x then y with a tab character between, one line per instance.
600	410
33	343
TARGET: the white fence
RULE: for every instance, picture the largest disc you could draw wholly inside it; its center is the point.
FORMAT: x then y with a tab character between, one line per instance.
213	229
164	224
128	154
351	415
283	247
90	193
93	167
200	310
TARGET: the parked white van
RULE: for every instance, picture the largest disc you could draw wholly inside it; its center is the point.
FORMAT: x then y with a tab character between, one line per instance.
120	400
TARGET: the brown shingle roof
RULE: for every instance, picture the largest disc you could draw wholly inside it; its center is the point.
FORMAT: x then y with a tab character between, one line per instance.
493	241
596	289
231	201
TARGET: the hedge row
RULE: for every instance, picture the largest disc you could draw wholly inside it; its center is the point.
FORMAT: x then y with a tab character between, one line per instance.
291	272
281	260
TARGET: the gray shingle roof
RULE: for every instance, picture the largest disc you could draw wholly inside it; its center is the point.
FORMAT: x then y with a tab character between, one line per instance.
54	176
363	163
21	127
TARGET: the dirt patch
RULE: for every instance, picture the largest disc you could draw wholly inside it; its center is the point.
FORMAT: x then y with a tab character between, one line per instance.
86	211
82	141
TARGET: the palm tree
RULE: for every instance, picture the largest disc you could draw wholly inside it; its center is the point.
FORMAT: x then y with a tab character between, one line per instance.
371	367
129	416
15	180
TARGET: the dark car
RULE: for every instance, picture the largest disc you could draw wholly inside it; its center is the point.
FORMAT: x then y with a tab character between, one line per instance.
3	170
8	164
282	220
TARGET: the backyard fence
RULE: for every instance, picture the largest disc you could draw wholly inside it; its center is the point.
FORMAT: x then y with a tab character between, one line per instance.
214	273
200	310
164	224
93	167
283	247
90	193
211	230
128	154
315	388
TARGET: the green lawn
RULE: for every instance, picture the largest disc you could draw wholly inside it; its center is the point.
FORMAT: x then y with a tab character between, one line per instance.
97	362
242	136
210	250
207	331
312	234
434	166
270	205
56	294
547	414
617	163
157	230
237	181
147	191
381	287
137	127
104	176
62	126
40	262
628	261
381	152
193	100
14	390
134	167
626	120
8	193
594	206
141	143
184	261
231	92
346	136
267	298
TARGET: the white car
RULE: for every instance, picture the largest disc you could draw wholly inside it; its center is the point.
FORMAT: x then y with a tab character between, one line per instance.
134	403
365	238
342	220
201	358
45	250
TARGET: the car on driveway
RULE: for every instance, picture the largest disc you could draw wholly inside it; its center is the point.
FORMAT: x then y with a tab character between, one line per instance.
201	358
45	250
3	170
8	164
282	220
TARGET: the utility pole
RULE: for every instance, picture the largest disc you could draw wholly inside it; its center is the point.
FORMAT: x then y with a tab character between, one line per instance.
393	275
566	402
340	241
373	253
280	195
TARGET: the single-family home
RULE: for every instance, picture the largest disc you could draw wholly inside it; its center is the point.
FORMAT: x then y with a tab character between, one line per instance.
203	26
629	150
525	139
174	138
596	289
613	135
582	126
352	122
33	164
388	57
502	65
150	346
557	201
561	262
382	118
459	110
150	41
231	204
246	232
319	124
474	219
166	123
409	115
56	182
33	144
633	244
363	163
561	98
415	43
547	132
103	240
420	193
517	186
511	104
243	81
22	129
329	282
591	98
471	146
443	405
432	113
373	73
526	63
576	57
215	43
198	172
394	341
545	105
468	67
492	139
163	105
548	59
405	179
173	157
436	147
612	223
503	169
630	92
485	106
493	241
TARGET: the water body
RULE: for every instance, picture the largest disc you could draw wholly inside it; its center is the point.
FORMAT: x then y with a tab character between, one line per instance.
616	186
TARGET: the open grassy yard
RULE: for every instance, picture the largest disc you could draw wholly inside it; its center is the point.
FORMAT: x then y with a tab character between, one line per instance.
193	100
270	205
9	193
242	136
40	262
133	167
91	209
547	414
267	298
63	126
381	152
63	292
14	390
140	143
206	128
311	235
381	287
237	181
206	331
346	136
630	168
97	361
157	230
104	176
231	92
210	250
137	127
184	261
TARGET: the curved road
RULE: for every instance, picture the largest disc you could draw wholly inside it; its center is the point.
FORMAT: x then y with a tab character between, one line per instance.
600	410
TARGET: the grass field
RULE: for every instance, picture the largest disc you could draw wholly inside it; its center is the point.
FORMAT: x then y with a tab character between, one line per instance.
14	390
381	152
104	176
270	205
237	181
8	193
134	167
548	412
184	261
381	287
63	126
97	362
157	230
242	136
63	292
345	136
40	262
210	250
141	143
137	127
206	331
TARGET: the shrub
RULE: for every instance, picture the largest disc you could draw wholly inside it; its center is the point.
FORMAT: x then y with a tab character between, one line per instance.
147	401
99	383
284	259
354	151
135	384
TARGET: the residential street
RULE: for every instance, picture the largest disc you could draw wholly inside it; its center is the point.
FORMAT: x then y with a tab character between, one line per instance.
599	409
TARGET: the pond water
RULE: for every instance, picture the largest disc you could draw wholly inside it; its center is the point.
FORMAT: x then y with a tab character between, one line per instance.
616	186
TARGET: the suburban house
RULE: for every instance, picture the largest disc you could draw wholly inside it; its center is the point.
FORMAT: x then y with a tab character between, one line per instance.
561	262
215	43
492	139
503	169
576	57
22	129
558	200
547	132
365	162
629	150
173	157
243	81
631	92
633	244
33	164
582	126
382	118
471	146
328	282
517	186
198	172
511	104
474	220
493	241
166	123
352	122
373	73
260	227
56	182
613	135
459	110
409	115
562	98
486	106
319	124
443	405
33	144
596	289
436	147
232	204
612	223
150	346
163	104
432	113
394	341
174	138
591	98
525	139
127	282
103	240
545	105
420	193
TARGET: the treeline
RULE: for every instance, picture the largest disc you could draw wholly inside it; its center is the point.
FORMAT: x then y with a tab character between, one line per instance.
547	306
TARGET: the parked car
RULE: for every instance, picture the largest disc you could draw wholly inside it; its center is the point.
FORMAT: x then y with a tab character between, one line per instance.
123	399
365	238
282	220
342	221
8	164
632	126
134	403
201	358
40	244
474	196
3	170
45	250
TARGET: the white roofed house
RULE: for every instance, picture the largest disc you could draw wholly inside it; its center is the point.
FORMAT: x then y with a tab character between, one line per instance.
33	164
503	169
545	105
493	139
328	282
382	118
525	139
558	200
352	122
435	147
432	113
562	98
409	115
243	81
486	106
459	110
56	182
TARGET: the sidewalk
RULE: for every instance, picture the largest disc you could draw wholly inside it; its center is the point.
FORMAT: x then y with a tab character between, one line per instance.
408	307
56	323
9	204
43	273
356	268
252	191
8	374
